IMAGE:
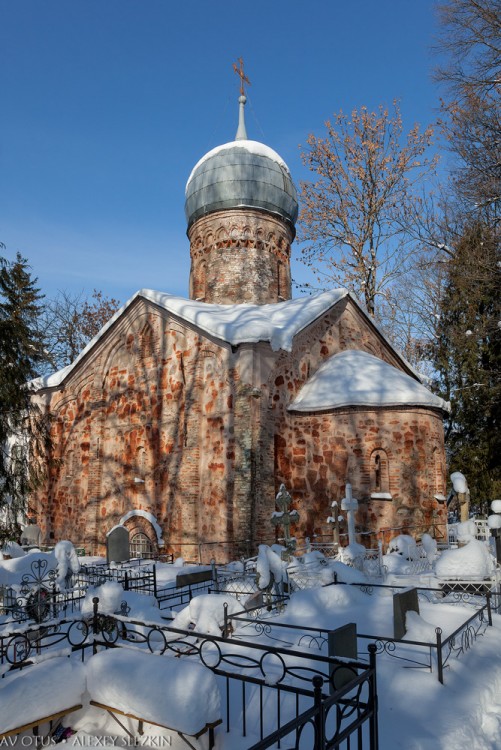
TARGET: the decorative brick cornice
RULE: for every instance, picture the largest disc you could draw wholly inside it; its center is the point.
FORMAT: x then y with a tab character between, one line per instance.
264	265
246	228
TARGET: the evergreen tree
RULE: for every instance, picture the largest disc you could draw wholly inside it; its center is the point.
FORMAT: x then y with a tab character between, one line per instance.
23	433
467	355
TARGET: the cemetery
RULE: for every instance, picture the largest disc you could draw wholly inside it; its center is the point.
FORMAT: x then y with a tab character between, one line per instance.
279	650
224	517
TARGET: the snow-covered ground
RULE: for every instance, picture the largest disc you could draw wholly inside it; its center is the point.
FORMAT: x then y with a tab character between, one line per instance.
416	712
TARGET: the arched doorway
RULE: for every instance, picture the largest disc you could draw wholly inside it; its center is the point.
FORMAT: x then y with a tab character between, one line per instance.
140	546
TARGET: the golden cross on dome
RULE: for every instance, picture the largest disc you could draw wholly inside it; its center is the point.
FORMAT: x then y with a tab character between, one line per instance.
240	73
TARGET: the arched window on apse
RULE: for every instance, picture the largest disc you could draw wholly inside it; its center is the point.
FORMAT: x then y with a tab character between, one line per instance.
380	475
280	280
140	546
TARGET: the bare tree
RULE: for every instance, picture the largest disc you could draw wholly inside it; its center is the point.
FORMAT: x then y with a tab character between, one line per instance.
70	321
355	216
471	40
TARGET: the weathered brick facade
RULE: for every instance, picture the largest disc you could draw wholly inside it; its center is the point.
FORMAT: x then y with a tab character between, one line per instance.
185	436
164	419
240	255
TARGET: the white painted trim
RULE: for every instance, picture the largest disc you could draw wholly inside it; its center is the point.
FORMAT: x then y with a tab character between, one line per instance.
149	517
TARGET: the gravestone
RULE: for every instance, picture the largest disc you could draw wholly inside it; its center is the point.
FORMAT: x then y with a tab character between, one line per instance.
254	601
189	579
117	545
342	642
403	602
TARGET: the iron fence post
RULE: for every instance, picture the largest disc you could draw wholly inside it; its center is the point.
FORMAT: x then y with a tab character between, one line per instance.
225	626
319	715
155	581
440	665
373	697
95	622
489	610
95	605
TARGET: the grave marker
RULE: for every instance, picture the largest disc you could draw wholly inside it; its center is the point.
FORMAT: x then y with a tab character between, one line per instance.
285	517
350	505
117	545
342	642
403	602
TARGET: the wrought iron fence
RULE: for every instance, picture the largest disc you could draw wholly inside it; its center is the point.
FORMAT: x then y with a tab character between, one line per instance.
19	648
174	597
267	675
275	685
418	654
39	597
353	724
140	576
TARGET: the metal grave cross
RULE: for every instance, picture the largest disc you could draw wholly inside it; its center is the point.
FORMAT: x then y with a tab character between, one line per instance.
285	517
334	520
350	505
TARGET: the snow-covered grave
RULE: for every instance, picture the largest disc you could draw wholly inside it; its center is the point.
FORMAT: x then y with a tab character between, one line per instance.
175	695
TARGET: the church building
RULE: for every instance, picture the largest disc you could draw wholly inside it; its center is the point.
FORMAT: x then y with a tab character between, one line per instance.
182	417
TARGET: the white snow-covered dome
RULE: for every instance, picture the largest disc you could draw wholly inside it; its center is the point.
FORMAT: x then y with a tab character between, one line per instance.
241	174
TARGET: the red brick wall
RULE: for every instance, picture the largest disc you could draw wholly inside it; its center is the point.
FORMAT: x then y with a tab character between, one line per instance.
240	256
208	430
316	454
319	453
154	402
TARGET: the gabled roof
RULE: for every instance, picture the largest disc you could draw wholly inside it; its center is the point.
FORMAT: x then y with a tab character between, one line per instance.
275	323
356	378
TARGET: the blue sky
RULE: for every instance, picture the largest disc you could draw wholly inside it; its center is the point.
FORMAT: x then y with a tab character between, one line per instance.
106	105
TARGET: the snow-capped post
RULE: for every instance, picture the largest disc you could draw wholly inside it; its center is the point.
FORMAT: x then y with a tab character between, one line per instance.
350	505
460	488
68	564
494	523
285	517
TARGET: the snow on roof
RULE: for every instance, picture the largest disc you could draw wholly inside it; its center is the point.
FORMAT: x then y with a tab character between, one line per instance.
253	147
356	378
276	323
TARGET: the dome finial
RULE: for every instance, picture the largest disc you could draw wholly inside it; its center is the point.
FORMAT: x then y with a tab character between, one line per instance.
239	70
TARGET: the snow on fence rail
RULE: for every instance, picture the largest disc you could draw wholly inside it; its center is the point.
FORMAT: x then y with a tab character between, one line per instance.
250	676
413	653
